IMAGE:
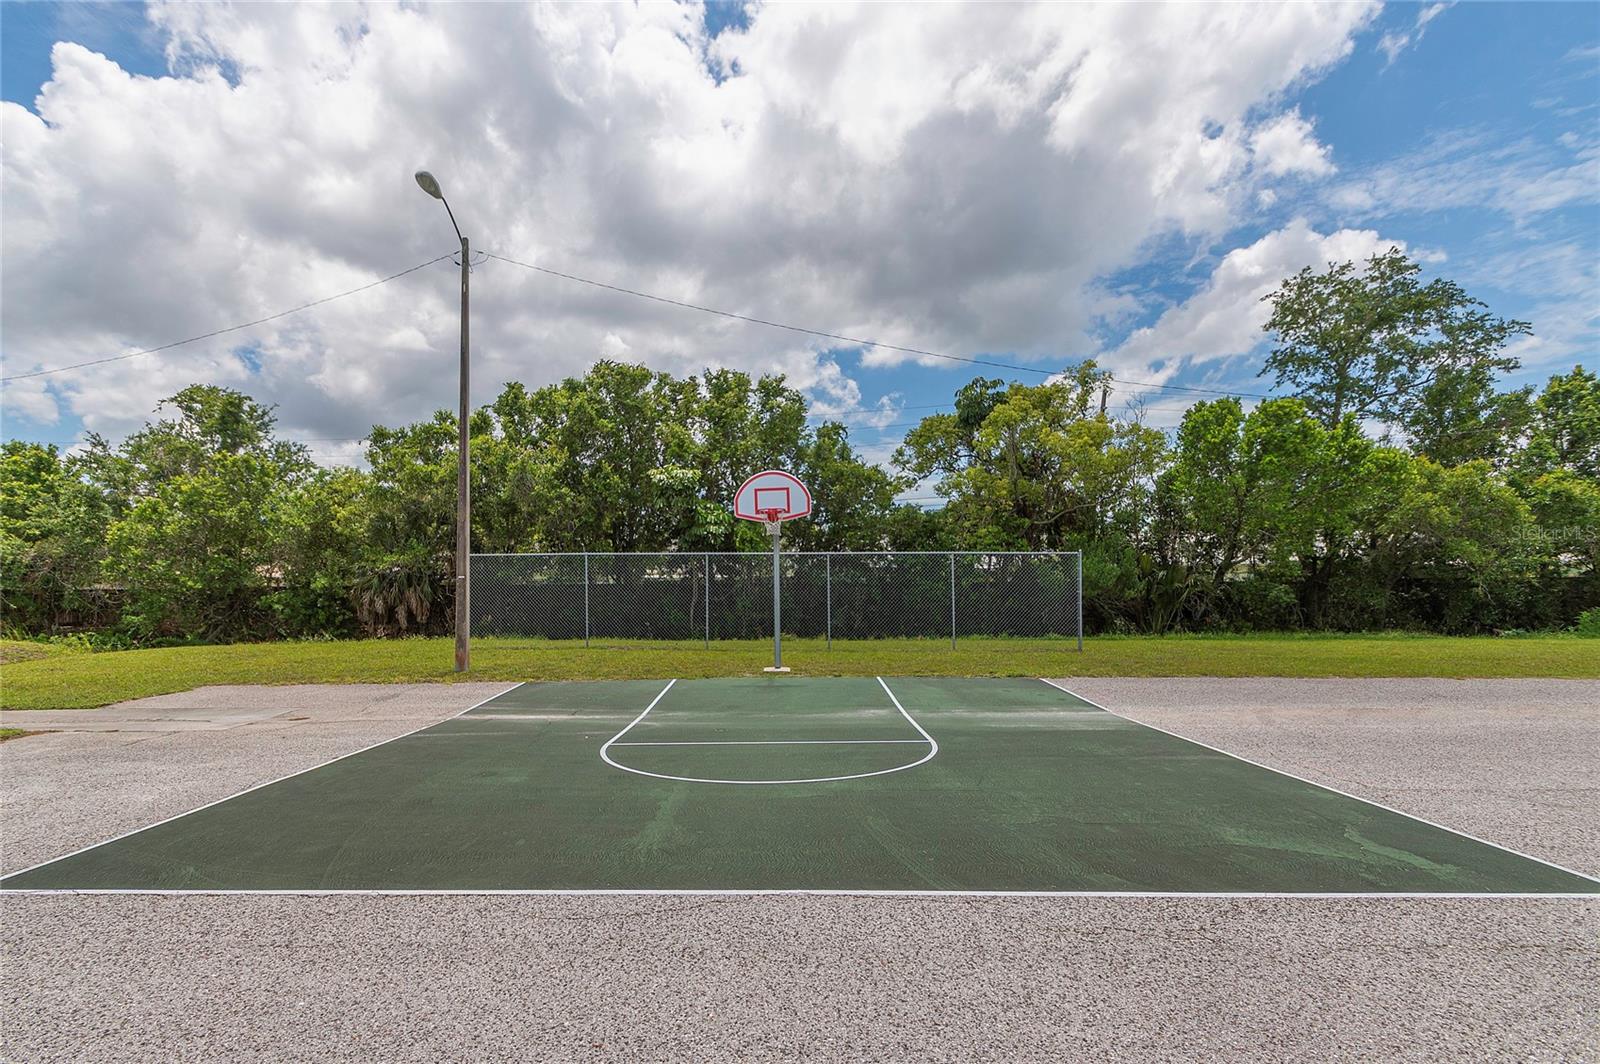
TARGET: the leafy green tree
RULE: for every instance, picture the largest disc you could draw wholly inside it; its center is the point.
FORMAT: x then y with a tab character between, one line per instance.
910	527
210	422
850	499
195	554
1232	489
1452	545
318	536
745	426
1378	344
596	440
406	563
192	497
52	539
1272	496
1459	417
628	459
1566	508
1042	469
1564	427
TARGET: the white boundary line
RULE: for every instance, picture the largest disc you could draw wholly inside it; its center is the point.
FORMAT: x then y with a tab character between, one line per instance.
933	750
1237	895
623	892
247	790
1335	790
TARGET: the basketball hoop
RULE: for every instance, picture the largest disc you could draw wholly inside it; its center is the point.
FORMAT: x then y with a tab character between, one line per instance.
772	497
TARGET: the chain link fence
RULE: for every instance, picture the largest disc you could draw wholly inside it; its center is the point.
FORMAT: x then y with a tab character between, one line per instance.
865	595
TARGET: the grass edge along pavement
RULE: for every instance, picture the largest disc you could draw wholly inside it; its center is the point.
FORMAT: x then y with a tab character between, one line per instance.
77	679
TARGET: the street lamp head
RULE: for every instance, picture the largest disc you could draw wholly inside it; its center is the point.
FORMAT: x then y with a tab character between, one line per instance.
429	184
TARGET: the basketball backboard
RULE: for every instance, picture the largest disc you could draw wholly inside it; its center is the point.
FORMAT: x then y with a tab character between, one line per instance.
772	495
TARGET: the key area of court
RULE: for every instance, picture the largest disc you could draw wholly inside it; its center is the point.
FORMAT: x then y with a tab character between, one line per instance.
794	783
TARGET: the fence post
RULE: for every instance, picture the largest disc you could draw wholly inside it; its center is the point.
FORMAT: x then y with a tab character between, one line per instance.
827	609
1080	602
585	598
708	600
952	600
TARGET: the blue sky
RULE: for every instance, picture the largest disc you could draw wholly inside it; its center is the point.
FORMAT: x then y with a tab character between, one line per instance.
1468	133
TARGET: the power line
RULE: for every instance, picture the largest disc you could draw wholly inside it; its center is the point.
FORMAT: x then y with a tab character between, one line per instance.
856	340
1193	388
220	332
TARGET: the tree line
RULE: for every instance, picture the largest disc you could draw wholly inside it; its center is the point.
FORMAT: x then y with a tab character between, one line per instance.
1394	485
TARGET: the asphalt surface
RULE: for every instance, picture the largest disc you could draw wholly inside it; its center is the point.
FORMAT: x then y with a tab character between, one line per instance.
806	977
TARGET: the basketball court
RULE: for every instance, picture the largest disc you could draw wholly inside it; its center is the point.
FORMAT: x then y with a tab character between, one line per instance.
791	783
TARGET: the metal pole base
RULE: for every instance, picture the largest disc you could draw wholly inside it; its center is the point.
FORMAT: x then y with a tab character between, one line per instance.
777	668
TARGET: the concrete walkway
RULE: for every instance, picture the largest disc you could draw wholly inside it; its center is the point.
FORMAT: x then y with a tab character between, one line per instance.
607	978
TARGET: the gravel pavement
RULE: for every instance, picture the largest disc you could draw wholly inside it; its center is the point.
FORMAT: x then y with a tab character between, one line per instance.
109	978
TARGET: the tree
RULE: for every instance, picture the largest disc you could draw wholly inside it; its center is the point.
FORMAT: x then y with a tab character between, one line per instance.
195	555
1377	344
1460	417
1037	467
52	538
318	537
851	500
1274	493
210	422
1232	490
1564	427
192	497
1452	545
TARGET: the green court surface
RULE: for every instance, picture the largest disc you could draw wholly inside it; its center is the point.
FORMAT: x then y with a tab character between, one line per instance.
789	783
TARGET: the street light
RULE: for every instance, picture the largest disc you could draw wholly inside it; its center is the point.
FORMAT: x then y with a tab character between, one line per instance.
430	185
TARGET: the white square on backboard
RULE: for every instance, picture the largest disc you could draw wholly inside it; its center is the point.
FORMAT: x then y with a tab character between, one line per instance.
772	499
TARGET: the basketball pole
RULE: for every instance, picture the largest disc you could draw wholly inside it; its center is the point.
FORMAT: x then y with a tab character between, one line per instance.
464	487
430	184
780	505
777	599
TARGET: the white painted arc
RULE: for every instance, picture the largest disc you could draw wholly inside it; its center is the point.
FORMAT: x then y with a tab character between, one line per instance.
933	750
826	892
781	742
1345	794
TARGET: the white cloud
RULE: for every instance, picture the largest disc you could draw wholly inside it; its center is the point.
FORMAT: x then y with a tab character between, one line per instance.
30	399
1287	145
1561	278
1225	317
950	178
1520	178
1391	44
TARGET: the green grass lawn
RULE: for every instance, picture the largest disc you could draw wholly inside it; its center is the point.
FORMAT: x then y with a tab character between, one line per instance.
78	679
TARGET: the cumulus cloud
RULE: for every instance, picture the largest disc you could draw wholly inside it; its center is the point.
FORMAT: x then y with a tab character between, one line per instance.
949	178
1224	318
1288	145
